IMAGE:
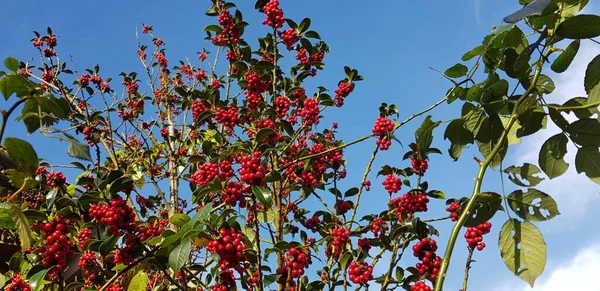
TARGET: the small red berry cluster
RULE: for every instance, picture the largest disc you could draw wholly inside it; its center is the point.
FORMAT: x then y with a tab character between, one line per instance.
296	260
474	235
360	272
57	246
313	223
228	116
282	106
252	171
430	264
344	89
289	38
340	236
86	262
233	194
310	112
55	179
230	248
83	236
117	215
392	184
274	14
409	203
205	175
364	244
229	35
197	109
454	209
382	128
379	227
419	166
226	282
341	206
420	286
33	197
161	59
255	88
18	284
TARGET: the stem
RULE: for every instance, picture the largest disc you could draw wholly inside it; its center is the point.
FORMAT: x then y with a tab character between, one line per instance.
479	179
6	115
467	268
362	183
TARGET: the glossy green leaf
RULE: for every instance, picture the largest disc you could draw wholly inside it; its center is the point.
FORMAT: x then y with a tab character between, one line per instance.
591	80
488	203
180	255
533	205
564	60
22	226
585	132
23	153
424	134
551	157
579	27
36	282
436	194
139	282
523	249
587	161
263	195
108	245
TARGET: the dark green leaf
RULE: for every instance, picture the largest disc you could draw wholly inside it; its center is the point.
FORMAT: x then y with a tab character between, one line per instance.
477	51
564	60
582	101
180	255
437	194
457	71
263	133
523	249
23	153
424	134
533	205
592	78
585	132
579	27
108	245
15	84
551	157
488	203
588	161
22	226
263	195
459	137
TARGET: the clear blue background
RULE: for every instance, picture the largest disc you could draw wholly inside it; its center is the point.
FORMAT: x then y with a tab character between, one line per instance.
391	43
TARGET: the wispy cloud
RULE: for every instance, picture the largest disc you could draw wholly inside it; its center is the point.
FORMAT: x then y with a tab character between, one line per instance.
477	10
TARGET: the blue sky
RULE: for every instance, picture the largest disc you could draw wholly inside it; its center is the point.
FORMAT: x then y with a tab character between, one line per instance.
392	44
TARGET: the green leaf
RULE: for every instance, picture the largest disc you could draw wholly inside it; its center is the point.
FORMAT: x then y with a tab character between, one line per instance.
2	280
6	220
488	203
592	77
11	64
587	161
488	136
180	255
23	153
564	60
15	84
36	282
585	132
527	172
108	245
523	249
179	219
579	27
77	149
437	194
477	51
545	84
22	226
582	101
533	205
263	133
551	157
345	260
139	282
263	195
457	71
459	137
424	134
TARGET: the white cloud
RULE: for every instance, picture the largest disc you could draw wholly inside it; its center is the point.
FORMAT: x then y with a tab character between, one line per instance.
477	9
579	273
574	192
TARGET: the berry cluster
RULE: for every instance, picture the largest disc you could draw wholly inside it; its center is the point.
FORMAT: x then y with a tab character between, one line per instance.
454	209
340	236
83	236
382	128
57	246
161	60
379	227
344	89
310	112
226	282
234	194
313	223
425	250
230	248
420	286
226	170
229	35
33	197
205	174
296	261
198	108
84	80
55	179
274	14
228	117
18	284
410	203
474	235
252	171
289	38
360	273
364	244
282	106
419	165
341	206
392	184
255	88
118	216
